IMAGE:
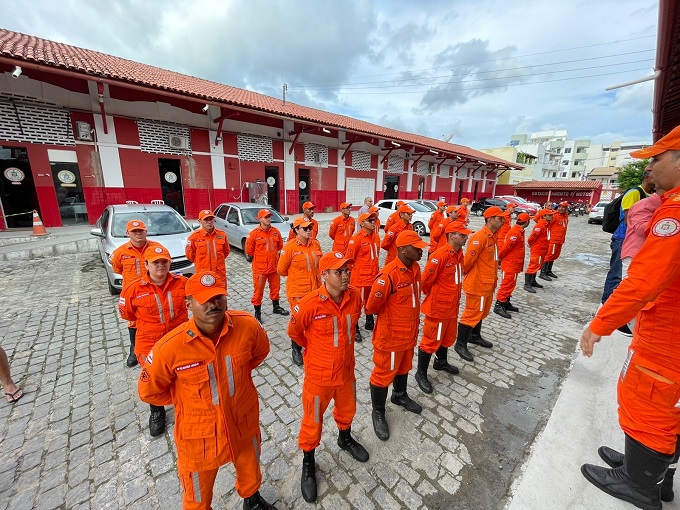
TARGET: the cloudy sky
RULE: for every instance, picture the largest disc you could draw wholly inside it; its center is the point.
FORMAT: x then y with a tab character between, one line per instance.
480	70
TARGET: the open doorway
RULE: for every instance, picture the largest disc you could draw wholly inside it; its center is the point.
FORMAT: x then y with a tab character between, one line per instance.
17	189
69	189
391	187
460	192
271	176
421	187
171	183
303	186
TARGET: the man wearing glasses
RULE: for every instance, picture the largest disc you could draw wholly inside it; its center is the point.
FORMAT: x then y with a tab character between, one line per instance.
399	226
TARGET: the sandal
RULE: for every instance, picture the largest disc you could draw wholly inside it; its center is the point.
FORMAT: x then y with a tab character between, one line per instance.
12	398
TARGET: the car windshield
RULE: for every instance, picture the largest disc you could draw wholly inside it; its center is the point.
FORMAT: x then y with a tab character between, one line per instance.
418	207
158	223
250	216
430	205
601	204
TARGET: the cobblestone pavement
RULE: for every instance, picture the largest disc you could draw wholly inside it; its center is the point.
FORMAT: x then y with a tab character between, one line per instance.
79	438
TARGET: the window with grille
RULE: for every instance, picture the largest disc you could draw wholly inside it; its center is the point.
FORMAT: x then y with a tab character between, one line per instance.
163	137
361	160
423	168
24	119
255	148
316	154
445	171
395	165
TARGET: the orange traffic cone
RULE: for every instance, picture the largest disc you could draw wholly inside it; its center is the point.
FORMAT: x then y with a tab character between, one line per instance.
38	227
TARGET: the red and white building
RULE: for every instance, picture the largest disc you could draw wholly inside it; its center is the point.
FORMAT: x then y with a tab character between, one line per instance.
80	130
541	192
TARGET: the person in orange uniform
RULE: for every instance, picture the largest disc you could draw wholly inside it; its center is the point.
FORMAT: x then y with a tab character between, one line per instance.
322	323
204	368
127	261
308	215
395	298
511	256
404	223
262	249
364	249
480	267
464	212
649	384
375	210
437	234
558	234
208	247
442	284
437	216
155	303
300	263
507	224
342	228
394	217
538	242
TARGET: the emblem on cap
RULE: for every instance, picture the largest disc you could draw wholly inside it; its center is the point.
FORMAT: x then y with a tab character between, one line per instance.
135	223
208	280
338	255
206	212
158	250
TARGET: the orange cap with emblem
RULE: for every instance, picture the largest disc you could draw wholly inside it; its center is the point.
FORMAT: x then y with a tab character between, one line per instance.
204	286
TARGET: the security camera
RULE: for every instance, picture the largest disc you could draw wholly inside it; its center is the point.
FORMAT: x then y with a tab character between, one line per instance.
206	108
17	72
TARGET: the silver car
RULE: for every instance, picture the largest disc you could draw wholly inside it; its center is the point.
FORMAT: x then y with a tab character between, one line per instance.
163	224
419	219
239	219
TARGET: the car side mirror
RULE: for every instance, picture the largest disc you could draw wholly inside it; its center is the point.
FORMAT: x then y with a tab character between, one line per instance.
97	232
286	218
194	226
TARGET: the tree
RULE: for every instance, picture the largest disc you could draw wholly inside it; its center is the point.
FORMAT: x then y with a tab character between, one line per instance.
631	174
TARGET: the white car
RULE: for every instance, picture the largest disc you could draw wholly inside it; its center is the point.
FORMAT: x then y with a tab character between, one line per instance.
419	219
238	219
597	213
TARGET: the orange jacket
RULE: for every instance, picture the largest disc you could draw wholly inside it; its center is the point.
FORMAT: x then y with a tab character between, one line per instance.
539	238
511	253
480	265
442	282
558	228
341	232
211	386
315	230
208	251
395	298
264	246
157	309
326	329
391	220
436	217
300	263
364	248
503	231
127	261
464	214
437	237
388	241
650	291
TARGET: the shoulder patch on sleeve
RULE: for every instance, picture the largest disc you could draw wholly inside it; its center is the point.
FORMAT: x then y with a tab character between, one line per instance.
434	261
144	376
666	227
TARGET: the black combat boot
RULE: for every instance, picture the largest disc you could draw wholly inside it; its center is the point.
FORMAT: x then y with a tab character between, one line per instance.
369	323
132	359
400	395
358	337
528	279
296	352
464	332
500	309
258	313
534	283
277	308
549	271
308	479
441	362
347	442
421	374
637	481
157	421
378	399
257	502
509	306
542	275
476	337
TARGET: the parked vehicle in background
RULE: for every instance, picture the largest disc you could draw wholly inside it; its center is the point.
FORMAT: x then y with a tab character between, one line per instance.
478	208
238	219
430	204
419	220
163	225
597	212
521	205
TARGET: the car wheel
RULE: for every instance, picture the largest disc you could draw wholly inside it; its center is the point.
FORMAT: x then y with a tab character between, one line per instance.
243	246
478	212
419	228
112	290
590	222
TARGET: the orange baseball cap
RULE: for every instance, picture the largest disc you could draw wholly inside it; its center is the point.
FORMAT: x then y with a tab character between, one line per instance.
405	209
301	222
458	226
333	260
410	238
493	211
156	253
546	212
523	217
135	225
365	216
308	205
400	203
564	204
263	213
669	142
373	209
441	203
451	208
205	213
511	205
205	285
345	205
464	200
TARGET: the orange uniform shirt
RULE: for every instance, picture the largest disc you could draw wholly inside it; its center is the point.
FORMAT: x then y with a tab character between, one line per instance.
539	239
395	298
300	263
464	214
437	237
210	384
558	228
503	231
364	248
391	236
315	230
391	220
127	261
442	283
326	329
157	309
264	246
436	217
512	251
341	231
480	265
208	251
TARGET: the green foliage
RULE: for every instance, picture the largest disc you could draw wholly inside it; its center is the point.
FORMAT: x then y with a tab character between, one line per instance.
631	174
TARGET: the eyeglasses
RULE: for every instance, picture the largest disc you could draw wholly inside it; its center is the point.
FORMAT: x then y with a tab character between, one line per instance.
308	228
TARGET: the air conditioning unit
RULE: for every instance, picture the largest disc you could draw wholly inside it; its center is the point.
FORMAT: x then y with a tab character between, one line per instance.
179	142
433	169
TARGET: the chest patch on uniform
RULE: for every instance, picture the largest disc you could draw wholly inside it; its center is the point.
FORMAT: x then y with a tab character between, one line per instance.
322	316
434	261
666	227
126	257
141	295
195	364
144	376
402	285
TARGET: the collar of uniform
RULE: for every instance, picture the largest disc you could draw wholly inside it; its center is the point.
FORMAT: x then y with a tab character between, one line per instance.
308	243
192	331
325	296
673	193
401	266
488	231
206	234
143	248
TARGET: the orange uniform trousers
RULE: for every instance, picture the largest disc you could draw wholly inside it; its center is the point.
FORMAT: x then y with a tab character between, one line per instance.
438	333
554	251
476	309
387	365
535	263
507	286
197	486
648	407
315	400
259	281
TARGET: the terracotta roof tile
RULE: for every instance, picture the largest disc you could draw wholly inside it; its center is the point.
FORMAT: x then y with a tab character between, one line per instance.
53	54
559	185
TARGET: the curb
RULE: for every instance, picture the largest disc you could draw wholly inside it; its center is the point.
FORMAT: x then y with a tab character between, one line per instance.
51	250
